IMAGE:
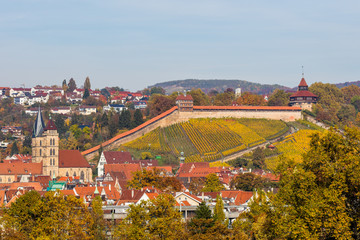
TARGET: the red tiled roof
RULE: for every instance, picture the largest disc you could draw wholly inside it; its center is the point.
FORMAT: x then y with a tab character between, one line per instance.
303	93
182	97
112	157
72	158
50	125
303	83
20	168
126	169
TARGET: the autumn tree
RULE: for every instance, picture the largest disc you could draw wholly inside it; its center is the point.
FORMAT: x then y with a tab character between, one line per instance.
196	185
212	183
251	99
223	99
160	103
87	84
349	92
152	219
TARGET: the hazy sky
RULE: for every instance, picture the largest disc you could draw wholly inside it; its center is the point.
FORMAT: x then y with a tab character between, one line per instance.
133	44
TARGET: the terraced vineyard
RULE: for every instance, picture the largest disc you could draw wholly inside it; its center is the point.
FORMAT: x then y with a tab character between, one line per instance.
292	147
209	139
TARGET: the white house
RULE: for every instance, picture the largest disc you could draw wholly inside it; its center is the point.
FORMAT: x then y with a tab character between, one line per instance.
87	110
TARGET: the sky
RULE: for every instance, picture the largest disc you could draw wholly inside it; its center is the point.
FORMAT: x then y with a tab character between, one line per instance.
134	44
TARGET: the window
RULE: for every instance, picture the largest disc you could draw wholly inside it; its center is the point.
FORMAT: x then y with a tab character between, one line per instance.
9	179
40	144
40	151
0	179
74	174
67	174
82	175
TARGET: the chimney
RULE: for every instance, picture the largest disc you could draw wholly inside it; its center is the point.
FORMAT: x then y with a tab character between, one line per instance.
132	193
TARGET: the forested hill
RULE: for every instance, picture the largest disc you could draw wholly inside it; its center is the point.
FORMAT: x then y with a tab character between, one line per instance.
218	85
345	84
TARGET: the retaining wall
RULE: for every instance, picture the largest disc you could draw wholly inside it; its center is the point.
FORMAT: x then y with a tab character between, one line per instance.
173	116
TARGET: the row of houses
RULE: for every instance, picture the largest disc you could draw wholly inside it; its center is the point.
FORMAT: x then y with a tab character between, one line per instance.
39	94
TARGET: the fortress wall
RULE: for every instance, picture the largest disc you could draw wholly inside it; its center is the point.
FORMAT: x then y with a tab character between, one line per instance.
283	115
177	116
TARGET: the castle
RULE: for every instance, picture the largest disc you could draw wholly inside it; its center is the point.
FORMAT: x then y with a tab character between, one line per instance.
55	162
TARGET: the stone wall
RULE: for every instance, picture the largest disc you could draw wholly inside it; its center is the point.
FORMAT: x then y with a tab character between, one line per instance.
178	116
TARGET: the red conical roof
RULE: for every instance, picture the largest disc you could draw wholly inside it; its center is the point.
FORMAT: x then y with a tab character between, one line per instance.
303	83
50	125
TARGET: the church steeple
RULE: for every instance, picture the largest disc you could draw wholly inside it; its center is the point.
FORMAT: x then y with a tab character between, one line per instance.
38	125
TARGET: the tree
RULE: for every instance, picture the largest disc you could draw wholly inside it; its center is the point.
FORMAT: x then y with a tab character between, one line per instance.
125	119
152	219
138	118
196	185
224	99
157	90
279	98
160	103
64	86
87	84
14	148
212	183
250	99
258	158
60	124
71	85
320	196
219	214
203	211
248	182
97	214
199	97
355	101
257	223
144	178
86	93
349	92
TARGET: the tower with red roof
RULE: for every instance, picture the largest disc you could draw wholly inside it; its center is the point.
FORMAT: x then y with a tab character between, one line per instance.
303	97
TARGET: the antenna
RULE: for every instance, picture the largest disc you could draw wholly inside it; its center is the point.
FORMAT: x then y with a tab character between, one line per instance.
302	71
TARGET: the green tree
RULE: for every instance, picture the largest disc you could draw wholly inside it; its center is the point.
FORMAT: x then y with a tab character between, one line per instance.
14	148
203	211
71	85
125	119
212	183
64	86
279	98
138	118
248	182
355	101
199	97
223	99
219	214
349	92
87	84
157	90
86	93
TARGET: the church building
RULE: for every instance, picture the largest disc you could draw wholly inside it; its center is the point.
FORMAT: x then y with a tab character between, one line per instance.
55	162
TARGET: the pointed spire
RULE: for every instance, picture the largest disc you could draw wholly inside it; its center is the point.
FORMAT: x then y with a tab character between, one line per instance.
38	125
96	189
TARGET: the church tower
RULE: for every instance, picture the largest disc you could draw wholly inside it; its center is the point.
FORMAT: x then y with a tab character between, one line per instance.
45	146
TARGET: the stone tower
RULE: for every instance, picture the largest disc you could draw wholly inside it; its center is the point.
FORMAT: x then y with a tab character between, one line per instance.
45	146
